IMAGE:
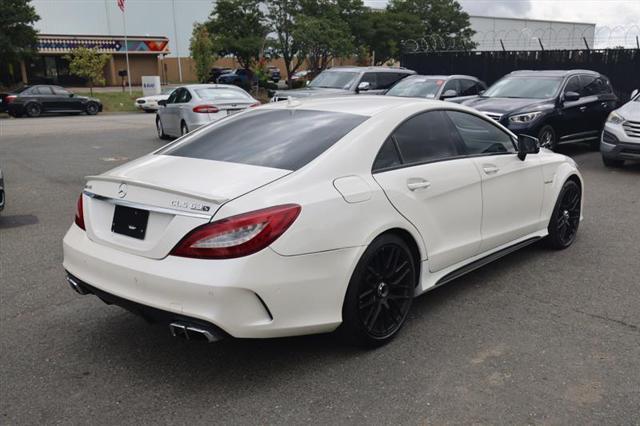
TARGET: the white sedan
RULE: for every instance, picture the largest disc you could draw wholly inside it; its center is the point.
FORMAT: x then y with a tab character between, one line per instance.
192	106
309	216
150	103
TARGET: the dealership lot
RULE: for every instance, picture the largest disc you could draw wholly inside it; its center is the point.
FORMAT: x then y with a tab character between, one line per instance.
537	337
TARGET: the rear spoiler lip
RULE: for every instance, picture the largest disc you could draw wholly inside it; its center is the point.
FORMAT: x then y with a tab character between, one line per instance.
190	194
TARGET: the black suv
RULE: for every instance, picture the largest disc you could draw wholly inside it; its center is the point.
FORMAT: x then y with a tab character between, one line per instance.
341	81
557	107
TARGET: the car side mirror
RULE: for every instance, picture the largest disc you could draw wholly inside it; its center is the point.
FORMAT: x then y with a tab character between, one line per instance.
634	93
364	86
527	145
449	94
306	83
163	103
571	96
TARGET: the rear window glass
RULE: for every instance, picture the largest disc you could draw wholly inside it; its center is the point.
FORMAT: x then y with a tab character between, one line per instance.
210	93
281	139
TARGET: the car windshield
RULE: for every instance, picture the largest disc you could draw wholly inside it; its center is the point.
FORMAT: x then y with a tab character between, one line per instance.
416	88
222	94
281	139
334	79
524	87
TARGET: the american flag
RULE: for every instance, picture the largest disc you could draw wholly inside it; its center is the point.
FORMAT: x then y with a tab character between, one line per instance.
121	4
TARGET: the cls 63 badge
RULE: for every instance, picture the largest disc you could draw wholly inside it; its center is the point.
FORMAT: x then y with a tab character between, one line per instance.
190	205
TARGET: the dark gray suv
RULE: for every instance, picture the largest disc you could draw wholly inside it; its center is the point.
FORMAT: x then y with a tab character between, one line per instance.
341	81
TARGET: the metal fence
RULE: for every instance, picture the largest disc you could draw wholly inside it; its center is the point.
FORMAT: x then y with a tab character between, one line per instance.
622	66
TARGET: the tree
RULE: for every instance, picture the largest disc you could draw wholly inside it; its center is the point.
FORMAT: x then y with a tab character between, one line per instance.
237	28
444	24
88	64
281	19
18	38
202	51
384	32
323	38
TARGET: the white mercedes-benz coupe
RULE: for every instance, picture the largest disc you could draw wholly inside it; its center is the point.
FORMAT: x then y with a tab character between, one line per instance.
309	216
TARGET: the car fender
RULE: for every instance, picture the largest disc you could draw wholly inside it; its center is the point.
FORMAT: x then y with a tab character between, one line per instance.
556	172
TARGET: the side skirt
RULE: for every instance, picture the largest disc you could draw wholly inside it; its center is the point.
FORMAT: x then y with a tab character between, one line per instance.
483	261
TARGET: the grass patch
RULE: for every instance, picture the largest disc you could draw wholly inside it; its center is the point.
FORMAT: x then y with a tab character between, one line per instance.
116	101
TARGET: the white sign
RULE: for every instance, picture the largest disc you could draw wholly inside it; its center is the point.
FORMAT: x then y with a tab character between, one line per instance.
151	85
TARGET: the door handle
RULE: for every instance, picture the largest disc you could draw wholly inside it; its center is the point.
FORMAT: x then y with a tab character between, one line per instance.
490	169
417	183
583	108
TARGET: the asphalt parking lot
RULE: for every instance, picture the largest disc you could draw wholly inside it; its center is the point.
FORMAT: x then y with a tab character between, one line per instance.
539	337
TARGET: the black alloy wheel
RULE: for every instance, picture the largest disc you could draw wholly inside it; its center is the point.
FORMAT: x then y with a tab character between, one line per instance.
33	110
380	292
547	137
92	108
565	221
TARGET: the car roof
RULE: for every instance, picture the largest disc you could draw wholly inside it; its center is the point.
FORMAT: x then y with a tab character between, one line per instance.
212	86
368	105
375	69
552	73
445	77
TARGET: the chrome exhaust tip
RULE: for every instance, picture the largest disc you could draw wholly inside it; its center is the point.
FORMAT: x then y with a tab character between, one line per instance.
190	332
76	286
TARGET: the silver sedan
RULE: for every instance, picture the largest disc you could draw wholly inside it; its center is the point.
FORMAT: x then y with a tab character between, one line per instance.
192	106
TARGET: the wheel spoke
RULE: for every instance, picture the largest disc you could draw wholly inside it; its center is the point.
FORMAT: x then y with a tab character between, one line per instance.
372	318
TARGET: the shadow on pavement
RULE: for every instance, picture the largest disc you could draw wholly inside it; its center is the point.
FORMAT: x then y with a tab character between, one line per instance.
16	220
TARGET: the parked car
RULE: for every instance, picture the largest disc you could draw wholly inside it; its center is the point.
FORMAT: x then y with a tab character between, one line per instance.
217	72
557	107
301	75
455	88
274	74
150	103
340	81
239	77
192	106
2	194
34	101
253	226
621	134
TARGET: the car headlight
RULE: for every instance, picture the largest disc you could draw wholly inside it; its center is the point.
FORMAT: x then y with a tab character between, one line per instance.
615	118
525	118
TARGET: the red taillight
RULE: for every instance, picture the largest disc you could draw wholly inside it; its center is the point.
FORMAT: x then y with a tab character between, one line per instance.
206	109
80	213
238	236
257	104
10	98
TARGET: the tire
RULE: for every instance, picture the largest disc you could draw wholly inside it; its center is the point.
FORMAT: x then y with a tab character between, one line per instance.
183	129
33	109
380	293
547	135
149	111
565	219
612	162
160	129
92	108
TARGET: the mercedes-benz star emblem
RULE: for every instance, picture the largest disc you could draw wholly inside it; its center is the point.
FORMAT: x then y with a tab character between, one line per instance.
122	190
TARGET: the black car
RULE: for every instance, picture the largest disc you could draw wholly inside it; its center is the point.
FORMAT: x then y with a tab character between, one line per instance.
341	81
557	107
454	88
217	72
274	74
36	100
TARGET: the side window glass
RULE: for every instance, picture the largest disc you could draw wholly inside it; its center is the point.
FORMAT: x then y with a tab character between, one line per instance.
370	78
426	137
388	79
480	136
387	157
60	91
187	96
468	88
451	85
595	85
173	96
42	90
573	85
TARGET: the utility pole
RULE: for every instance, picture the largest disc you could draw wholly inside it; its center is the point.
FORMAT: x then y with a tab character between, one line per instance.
175	36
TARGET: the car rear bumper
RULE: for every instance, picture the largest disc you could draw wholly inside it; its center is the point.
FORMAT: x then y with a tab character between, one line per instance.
257	296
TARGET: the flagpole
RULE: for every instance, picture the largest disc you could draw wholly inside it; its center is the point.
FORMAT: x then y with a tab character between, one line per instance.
126	46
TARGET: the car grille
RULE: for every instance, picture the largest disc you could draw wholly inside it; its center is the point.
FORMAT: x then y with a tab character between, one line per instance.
632	128
493	115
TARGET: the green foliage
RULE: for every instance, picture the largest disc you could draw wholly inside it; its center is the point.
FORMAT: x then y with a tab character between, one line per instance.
385	31
444	24
17	36
281	20
237	28
202	51
88	64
